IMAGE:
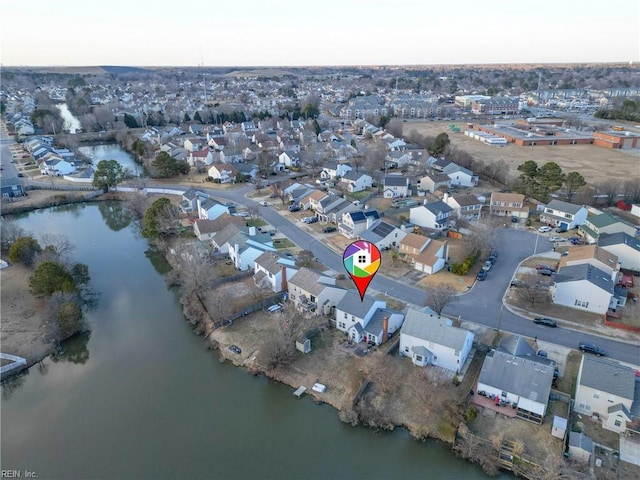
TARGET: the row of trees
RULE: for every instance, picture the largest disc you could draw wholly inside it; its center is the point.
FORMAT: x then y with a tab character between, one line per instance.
540	181
629	111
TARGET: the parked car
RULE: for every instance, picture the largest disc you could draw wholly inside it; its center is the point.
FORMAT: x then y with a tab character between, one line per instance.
544	229
556	239
482	274
494	253
576	241
547	322
235	349
264	203
487	266
329	229
309	219
586	347
492	259
544	266
561	230
21	175
514	219
243	214
545	272
294	208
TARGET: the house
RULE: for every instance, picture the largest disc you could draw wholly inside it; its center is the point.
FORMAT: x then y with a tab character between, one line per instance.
383	235
189	202
605	388
426	255
366	320
465	206
508	205
325	205
56	166
432	215
563	214
602	223
580	446
312	291
395	186
434	182
332	170
353	223
515	373
433	340
273	272
220	240
334	214
11	188
460	176
223	172
210	209
245	247
625	247
356	182
584	287
288	159
593	255
205	230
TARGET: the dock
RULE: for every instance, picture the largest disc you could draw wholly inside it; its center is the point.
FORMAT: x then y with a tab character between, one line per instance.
300	391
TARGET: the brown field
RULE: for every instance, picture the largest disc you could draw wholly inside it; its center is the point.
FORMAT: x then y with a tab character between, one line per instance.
596	164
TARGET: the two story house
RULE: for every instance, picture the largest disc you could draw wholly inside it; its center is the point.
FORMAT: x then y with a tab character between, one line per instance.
353	223
356	182
432	340
508	205
460	176
432	215
426	255
603	223
332	170
205	230
395	187
366	320
210	209
606	388
271	271
465	206
311	291
383	235
223	172
563	214
625	247
436	181
584	287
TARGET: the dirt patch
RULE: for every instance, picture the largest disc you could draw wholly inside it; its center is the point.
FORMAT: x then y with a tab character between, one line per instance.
26	331
594	163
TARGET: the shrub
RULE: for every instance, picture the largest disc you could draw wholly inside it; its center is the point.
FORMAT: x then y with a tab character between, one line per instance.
470	413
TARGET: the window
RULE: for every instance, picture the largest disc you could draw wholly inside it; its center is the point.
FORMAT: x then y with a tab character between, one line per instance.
345	315
581	303
341	325
596	394
617	423
419	358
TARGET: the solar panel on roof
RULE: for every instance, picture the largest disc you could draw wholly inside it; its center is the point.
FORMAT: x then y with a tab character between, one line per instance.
383	229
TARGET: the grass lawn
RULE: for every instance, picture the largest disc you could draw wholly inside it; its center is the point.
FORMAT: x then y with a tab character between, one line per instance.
280	243
256	222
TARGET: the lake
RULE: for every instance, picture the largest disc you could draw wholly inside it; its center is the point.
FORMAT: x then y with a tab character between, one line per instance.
110	151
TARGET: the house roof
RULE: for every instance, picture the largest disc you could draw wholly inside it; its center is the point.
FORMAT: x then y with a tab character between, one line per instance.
269	262
396	181
581	441
353	175
466	200
515	345
565	207
428	255
619	238
352	304
602	220
361	215
311	281
413	240
192	193
507	197
317	195
213	226
439	178
434	329
376	321
576	253
438	208
10	181
227	232
585	271
608	376
523	376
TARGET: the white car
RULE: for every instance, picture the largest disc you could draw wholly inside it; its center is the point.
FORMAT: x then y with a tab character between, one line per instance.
556	239
544	229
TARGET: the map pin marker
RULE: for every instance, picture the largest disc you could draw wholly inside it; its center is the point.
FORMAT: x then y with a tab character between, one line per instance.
361	260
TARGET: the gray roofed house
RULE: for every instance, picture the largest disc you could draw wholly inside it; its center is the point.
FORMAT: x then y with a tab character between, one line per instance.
608	389
564	206
11	187
580	446
584	286
383	234
446	346
626	247
314	291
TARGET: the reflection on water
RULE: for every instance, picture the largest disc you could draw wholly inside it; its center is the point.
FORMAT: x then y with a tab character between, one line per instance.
116	215
111	151
74	350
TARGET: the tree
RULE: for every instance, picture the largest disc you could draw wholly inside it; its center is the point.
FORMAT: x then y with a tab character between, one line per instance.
197	117
441	144
69	318
528	177
572	182
51	277
109	173
166	166
10	231
186	118
530	290
160	219
440	296
24	250
550	178
130	121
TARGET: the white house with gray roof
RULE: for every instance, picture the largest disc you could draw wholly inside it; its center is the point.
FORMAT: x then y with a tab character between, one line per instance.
563	214
383	235
395	186
273	271
625	247
432	215
606	388
432	340
210	209
312	291
460	175
515	373
356	182
364	320
584	287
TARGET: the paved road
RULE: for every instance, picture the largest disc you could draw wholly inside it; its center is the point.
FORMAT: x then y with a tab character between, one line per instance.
9	169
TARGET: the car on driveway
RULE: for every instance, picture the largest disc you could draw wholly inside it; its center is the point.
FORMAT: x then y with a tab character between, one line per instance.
576	240
482	274
544	266
544	229
545	272
235	349
264	203
329	229
556	239
514	219
309	219
561	230
294	208
547	322
587	347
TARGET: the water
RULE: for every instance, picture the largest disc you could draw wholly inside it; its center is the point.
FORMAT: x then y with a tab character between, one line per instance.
141	397
71	123
110	151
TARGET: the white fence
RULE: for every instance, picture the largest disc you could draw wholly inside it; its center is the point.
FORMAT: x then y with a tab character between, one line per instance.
16	362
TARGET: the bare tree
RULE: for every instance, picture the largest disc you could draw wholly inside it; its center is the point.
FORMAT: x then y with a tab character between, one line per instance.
10	231
137	203
530	290
306	257
253	211
610	188
440	296
631	190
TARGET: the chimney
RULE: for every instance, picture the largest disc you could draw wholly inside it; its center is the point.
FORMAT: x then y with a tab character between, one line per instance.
252	231
283	284
385	329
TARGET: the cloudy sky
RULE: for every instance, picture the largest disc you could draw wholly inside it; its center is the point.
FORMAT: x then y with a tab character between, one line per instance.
324	32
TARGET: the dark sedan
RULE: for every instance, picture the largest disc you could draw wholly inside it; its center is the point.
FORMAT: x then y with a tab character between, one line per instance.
547	322
591	348
546	272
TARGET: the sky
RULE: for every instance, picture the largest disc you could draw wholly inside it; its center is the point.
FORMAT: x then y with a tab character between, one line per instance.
320	32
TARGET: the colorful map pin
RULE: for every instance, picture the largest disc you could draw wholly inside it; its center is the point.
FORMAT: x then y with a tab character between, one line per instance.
362	261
